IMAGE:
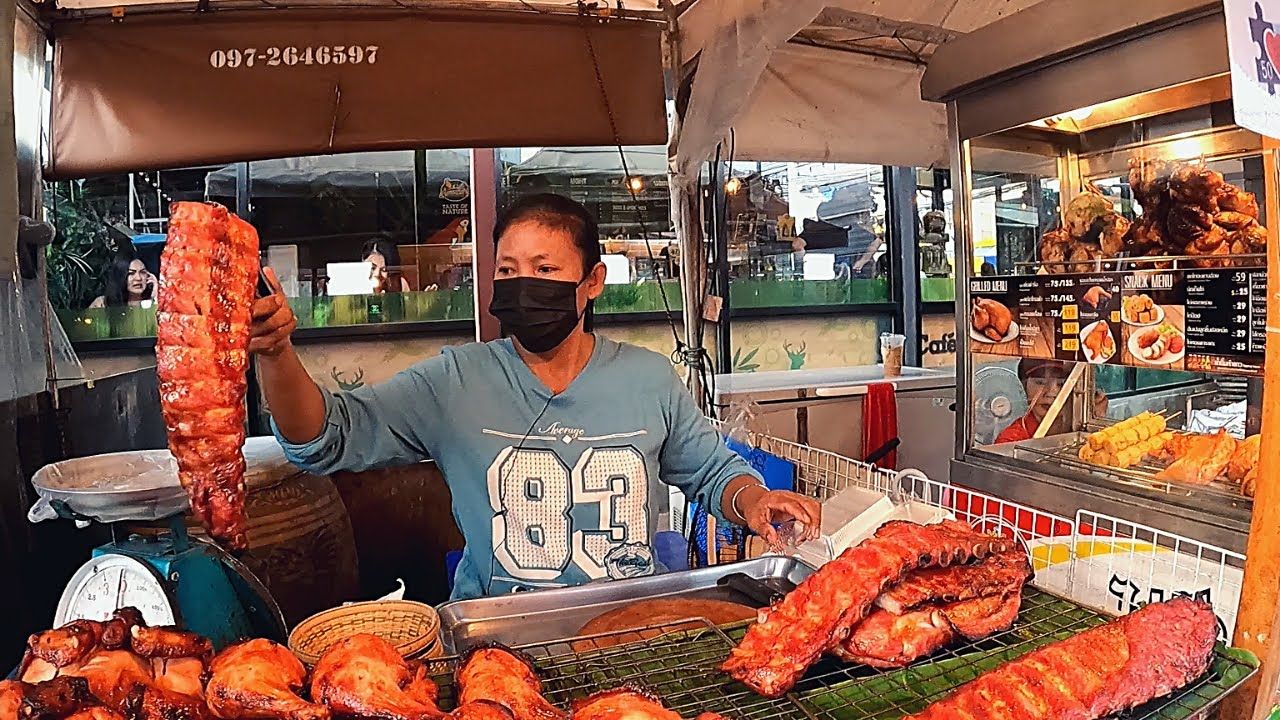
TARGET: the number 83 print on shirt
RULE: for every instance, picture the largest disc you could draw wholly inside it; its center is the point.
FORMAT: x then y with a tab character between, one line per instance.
548	516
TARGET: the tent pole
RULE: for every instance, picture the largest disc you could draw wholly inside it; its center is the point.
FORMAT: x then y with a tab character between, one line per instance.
685	218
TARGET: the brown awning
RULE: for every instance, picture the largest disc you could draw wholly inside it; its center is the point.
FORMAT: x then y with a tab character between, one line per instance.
172	90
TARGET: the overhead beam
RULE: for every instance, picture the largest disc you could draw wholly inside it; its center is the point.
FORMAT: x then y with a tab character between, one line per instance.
876	26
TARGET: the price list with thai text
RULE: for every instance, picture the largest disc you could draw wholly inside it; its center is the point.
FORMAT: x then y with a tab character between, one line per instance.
1226	320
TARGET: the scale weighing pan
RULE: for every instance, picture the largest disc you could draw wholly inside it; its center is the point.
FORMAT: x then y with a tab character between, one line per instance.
171	578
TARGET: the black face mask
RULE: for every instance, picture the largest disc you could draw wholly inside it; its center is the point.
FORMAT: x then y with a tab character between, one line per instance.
539	312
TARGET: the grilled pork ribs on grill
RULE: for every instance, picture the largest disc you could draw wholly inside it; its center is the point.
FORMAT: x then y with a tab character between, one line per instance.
208	274
1129	661
886	640
930	609
824	608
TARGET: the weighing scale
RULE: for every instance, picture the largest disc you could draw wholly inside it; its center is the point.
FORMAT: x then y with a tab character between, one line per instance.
151	562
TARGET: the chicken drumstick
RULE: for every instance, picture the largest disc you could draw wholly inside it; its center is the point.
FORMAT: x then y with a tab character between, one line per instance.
259	680
363	676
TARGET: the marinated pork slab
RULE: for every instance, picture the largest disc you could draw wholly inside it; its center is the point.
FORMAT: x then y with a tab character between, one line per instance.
207	278
825	607
1129	661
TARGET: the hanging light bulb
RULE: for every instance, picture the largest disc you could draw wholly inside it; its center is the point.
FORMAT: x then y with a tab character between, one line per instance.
733	186
635	184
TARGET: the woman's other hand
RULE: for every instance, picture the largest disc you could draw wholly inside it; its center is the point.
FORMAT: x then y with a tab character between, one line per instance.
761	508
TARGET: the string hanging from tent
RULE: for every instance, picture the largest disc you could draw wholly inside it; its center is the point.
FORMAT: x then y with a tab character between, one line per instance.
698	360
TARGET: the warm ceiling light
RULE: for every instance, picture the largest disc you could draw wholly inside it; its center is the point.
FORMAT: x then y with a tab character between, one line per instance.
733	186
635	184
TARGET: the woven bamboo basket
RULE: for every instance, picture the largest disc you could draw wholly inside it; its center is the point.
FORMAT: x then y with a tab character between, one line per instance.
412	627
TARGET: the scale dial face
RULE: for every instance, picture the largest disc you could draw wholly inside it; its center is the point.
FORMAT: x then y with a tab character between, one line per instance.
109	582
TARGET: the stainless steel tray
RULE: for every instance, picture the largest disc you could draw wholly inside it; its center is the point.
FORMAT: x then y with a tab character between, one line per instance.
546	615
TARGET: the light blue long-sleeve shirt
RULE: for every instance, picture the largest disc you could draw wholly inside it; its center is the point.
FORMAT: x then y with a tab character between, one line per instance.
548	491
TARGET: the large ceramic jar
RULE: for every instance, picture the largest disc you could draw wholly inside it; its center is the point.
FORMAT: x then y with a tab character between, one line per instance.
300	541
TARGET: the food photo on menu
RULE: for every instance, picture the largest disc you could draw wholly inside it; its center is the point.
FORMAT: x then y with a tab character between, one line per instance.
1097	305
1154	324
993	324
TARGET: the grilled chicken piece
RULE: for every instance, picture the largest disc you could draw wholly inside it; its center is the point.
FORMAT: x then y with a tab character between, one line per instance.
56	698
66	645
180	675
507	678
1203	459
1095	295
112	675
1244	459
169	642
97	713
259	679
1197	185
117	632
12	695
363	676
1233	199
625	703
481	710
153	703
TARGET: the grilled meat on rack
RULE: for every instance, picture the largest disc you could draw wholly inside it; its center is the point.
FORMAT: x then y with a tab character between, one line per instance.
169	642
147	702
66	645
207	277
994	575
886	640
503	676
259	679
627	703
824	608
481	710
364	676
56	698
1141	656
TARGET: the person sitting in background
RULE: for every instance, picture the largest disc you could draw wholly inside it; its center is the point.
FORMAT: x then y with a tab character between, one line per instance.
1043	380
381	254
129	283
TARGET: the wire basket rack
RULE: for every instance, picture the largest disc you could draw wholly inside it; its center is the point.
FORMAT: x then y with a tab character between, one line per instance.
1104	562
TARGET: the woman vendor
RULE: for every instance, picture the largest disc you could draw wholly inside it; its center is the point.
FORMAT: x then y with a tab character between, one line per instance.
552	440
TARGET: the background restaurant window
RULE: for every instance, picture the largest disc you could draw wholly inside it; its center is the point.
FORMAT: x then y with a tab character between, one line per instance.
806	234
631	204
355	238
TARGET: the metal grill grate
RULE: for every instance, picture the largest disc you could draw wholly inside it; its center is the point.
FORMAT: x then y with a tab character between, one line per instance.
679	663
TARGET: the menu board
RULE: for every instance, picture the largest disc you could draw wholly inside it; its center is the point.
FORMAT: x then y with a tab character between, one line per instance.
1206	320
1226	320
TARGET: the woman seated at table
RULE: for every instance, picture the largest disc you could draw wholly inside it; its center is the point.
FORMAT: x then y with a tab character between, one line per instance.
129	284
381	254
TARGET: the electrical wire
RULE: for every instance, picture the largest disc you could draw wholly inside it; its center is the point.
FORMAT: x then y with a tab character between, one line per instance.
696	359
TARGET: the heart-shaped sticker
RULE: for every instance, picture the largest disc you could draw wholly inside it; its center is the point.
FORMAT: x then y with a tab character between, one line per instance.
1271	41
